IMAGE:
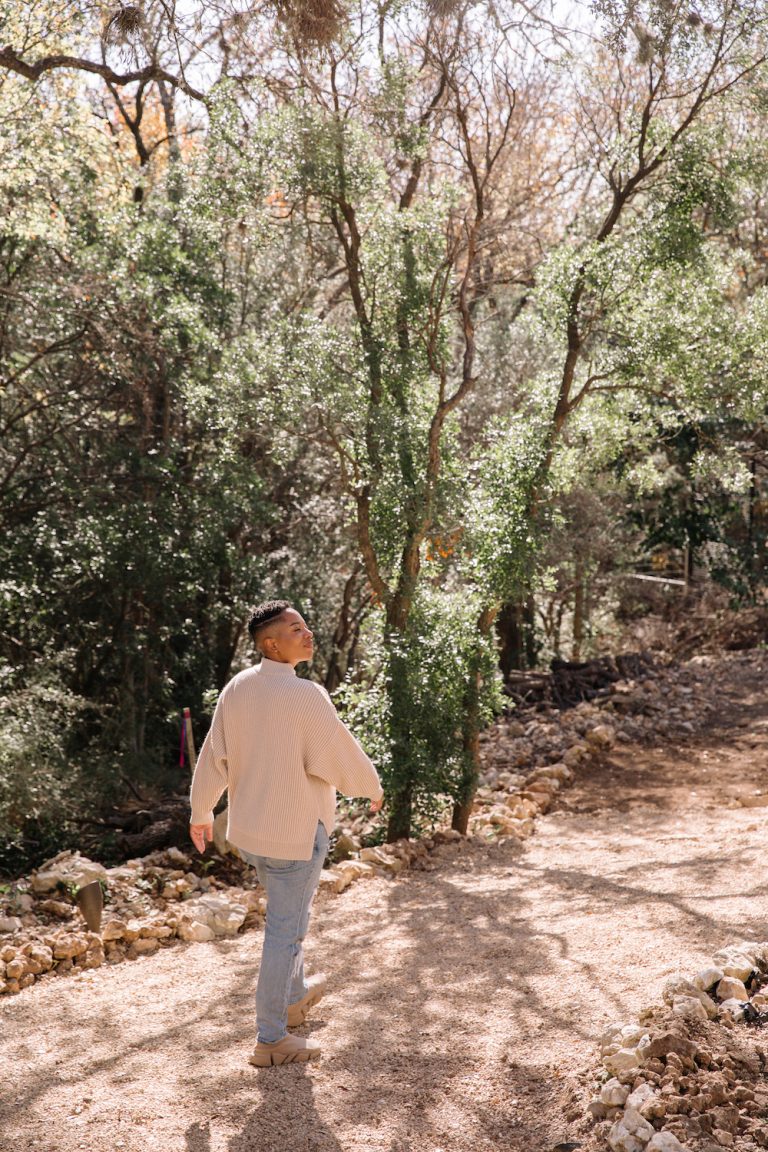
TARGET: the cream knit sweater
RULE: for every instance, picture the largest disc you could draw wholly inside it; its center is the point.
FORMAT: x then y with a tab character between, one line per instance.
278	745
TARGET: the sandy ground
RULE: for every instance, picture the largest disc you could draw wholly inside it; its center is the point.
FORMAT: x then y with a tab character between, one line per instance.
465	1004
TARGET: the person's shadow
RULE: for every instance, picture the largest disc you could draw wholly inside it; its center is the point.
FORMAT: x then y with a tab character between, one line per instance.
285	1118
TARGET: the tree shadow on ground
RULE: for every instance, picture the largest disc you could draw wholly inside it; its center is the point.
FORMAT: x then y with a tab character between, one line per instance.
286	1117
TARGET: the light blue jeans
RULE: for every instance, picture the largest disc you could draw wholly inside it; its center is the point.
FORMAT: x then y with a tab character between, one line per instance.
290	886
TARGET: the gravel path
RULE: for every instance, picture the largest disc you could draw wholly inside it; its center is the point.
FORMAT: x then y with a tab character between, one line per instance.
465	1003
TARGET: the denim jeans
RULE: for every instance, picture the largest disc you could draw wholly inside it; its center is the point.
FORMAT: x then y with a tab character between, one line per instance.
290	886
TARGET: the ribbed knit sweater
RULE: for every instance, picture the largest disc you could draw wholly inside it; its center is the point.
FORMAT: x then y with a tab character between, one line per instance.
278	745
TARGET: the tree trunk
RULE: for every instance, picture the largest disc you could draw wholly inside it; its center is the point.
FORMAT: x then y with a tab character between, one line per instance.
401	800
578	613
462	809
470	723
517	635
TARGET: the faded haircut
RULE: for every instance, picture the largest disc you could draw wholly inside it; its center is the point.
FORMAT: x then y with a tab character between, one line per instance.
264	614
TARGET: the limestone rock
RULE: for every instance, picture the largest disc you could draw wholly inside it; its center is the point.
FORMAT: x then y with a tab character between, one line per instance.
14	969
621	1036
735	963
56	908
575	755
220	842
614	1094
622	1062
194	930
732	1009
113	930
602	737
68	946
559	771
678	987
690	1007
42	955
68	868
630	1133
219	914
155	932
671	1042
376	856
665	1142
145	944
731	988
640	1097
9	924
708	978
331	881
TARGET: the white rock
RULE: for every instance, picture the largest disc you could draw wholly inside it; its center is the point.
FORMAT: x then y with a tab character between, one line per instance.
219	914
614	1094
67	868
623	1061
637	1125
734	963
640	1096
730	988
665	1142
10	923
679	988
708	978
618	1036
630	1133
643	1096
194	930
733	1009
557	771
690	1008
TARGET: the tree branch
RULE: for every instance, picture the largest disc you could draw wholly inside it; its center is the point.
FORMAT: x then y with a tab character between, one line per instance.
152	72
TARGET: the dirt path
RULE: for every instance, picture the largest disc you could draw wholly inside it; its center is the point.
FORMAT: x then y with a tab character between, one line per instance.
465	1003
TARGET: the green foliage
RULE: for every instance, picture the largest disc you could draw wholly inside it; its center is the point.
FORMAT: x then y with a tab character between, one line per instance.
40	790
417	695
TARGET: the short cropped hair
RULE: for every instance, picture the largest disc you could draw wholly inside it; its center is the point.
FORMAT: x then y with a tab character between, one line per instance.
264	614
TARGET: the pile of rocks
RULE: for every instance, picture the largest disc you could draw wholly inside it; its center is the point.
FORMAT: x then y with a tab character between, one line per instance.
526	761
154	902
689	1075
669	702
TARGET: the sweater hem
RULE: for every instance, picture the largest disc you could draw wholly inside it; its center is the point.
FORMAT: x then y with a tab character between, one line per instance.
274	849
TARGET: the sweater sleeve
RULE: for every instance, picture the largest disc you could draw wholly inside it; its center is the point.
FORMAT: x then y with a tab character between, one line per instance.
210	777
334	755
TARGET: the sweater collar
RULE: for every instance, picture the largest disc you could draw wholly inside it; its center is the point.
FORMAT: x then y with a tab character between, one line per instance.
276	667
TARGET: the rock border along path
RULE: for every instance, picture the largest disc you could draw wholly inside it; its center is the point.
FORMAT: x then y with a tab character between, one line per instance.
466	1000
159	898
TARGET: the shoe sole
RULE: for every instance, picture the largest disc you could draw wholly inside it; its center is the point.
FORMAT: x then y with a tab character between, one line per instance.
299	1015
272	1059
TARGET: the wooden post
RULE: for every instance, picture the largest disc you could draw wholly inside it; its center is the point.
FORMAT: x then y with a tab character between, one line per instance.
190	739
